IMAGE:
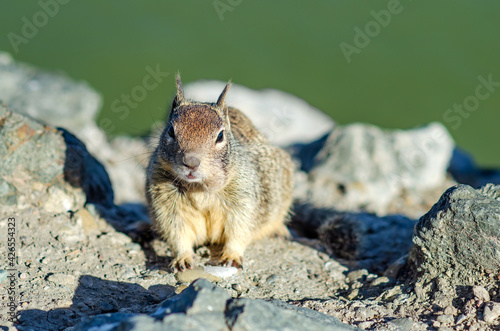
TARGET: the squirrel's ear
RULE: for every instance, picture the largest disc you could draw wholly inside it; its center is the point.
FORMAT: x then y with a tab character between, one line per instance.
221	102
179	95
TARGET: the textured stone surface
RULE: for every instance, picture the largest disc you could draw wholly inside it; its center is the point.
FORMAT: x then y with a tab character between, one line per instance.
32	158
203	306
458	240
48	96
362	167
59	101
283	118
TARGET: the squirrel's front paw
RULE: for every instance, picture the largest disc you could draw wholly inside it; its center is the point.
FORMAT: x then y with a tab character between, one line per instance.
231	260
181	262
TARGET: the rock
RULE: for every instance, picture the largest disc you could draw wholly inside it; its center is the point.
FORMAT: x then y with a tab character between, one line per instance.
203	306
32	161
402	324
247	314
465	171
445	319
59	101
283	118
357	275
44	166
372	242
200	297
458	240
480	293
82	170
361	166
59	200
48	96
212	273
491	312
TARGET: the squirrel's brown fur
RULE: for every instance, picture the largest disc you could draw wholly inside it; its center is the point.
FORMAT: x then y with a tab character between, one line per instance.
204	189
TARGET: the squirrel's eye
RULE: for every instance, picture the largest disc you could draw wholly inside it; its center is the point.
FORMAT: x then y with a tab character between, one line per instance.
220	137
171	132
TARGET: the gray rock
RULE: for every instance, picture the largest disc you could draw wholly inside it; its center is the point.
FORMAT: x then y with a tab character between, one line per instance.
201	322
480	293
48	96
56	99
401	324
283	118
465	171
458	240
362	167
491	312
32	165
247	314
203	306
312	314
200	297
44	166
368	241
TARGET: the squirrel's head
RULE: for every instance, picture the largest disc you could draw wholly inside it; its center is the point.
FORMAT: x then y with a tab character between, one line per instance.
195	144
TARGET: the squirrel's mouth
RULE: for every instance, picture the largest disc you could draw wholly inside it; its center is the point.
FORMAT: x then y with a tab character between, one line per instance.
192	177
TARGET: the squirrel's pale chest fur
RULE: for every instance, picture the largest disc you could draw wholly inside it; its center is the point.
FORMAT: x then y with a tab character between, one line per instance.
214	179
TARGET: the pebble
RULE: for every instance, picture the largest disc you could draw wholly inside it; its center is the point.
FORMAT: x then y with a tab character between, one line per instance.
212	273
380	280
364	313
401	324
357	274
450	310
446	319
480	293
354	293
491	312
365	325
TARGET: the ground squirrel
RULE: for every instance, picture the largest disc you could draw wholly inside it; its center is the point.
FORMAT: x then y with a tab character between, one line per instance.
214	179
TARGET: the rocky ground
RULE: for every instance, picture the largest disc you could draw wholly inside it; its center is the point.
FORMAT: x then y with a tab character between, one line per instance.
384	236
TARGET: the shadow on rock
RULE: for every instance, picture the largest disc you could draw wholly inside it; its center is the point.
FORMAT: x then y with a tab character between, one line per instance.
82	170
95	296
363	240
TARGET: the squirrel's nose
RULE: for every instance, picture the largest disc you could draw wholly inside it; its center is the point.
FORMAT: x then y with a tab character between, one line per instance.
191	161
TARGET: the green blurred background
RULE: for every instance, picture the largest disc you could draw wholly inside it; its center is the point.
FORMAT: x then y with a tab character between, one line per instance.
426	59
